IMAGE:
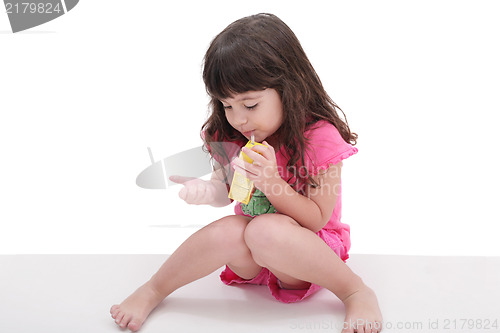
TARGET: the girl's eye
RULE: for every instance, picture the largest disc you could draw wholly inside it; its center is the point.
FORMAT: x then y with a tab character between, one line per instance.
227	107
252	106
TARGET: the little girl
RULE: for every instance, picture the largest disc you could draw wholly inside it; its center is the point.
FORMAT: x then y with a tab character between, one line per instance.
262	85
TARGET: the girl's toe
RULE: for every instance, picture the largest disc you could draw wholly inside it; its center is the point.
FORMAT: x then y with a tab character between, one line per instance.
134	325
119	318
114	310
125	321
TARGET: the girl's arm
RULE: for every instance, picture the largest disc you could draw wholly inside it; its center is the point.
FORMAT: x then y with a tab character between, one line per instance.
312	210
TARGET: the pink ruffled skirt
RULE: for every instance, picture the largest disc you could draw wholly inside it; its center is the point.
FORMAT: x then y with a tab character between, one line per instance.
337	240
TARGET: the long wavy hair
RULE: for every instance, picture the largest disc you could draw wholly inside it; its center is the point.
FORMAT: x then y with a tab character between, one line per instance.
259	52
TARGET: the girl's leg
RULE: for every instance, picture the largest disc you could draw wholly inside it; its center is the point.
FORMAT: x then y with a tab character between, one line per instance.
208	249
295	254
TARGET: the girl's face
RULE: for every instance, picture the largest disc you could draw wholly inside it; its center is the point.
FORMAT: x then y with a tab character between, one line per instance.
260	112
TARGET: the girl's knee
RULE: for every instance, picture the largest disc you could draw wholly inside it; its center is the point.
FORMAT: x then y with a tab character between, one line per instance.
266	230
228	230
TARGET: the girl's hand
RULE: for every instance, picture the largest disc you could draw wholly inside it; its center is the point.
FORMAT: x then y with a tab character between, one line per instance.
264	169
195	191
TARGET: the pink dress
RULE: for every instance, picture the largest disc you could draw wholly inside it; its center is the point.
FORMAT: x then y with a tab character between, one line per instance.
326	147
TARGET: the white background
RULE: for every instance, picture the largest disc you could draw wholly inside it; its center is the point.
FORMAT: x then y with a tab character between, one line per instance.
83	96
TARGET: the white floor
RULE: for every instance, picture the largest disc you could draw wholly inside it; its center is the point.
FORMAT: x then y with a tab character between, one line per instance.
73	293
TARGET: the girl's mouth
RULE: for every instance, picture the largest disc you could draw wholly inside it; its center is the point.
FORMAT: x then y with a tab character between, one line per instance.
248	134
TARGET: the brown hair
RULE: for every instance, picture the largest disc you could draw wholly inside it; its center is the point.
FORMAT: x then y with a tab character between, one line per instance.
259	52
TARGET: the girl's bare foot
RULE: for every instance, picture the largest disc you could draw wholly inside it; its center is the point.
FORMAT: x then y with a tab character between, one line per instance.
134	310
362	312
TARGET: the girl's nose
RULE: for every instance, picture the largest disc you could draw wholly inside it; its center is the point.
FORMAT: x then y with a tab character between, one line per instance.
240	118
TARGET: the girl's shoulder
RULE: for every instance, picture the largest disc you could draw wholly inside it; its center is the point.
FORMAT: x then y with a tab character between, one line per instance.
325	146
322	130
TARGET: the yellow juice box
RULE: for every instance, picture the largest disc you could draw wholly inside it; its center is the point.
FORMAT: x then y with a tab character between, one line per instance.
241	187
